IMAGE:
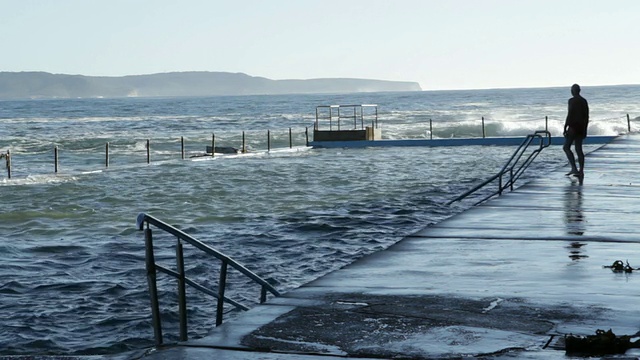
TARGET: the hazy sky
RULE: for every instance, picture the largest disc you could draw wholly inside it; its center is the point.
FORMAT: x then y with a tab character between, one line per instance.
442	44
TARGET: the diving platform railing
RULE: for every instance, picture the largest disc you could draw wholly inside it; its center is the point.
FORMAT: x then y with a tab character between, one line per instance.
515	166
346	123
336	113
152	267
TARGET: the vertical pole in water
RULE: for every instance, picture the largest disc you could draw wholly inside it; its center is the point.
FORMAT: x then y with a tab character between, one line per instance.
106	152
483	134
182	292
222	284
628	123
213	144
148	152
8	164
55	158
511	180
268	140
290	140
150	265
306	135
182	146
546	123
263	294
430	130
244	149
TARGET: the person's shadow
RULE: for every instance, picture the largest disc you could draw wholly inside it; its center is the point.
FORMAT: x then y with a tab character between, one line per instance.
574	218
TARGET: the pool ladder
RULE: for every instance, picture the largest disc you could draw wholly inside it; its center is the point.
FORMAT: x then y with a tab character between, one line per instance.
515	166
152	267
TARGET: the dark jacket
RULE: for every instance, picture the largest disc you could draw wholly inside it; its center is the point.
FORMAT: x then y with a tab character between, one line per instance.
578	116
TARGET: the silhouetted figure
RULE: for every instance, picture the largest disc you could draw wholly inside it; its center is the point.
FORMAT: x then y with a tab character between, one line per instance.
575	129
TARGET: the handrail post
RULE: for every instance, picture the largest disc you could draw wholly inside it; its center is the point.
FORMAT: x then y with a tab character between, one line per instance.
331	116
362	119
290	140
263	294
222	284
106	157
182	146
182	292
511	181
376	118
483	133
55	158
148	151
355	118
268	140
244	149
306	135
150	265
628	123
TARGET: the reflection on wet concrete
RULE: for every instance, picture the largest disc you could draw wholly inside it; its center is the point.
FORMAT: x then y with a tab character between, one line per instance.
574	218
575	251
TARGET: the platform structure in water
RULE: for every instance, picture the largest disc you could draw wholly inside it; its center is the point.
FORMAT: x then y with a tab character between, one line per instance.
358	126
346	123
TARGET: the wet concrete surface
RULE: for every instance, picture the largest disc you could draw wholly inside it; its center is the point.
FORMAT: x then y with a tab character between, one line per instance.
506	279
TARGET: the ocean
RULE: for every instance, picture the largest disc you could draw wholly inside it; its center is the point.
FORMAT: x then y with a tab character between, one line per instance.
72	276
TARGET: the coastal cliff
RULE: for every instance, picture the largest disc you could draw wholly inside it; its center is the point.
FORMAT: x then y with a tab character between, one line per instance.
24	85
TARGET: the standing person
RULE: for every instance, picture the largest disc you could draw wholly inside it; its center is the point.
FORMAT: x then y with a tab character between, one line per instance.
575	130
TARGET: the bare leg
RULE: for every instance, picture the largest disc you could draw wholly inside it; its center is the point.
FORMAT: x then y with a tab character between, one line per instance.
580	153
567	150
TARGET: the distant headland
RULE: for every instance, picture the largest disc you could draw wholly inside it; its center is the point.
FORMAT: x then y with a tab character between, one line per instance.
30	85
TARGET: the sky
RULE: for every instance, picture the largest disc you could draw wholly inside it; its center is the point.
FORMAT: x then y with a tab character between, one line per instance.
442	44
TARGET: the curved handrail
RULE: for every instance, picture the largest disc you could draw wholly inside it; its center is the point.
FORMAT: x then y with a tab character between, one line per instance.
142	218
510	165
152	267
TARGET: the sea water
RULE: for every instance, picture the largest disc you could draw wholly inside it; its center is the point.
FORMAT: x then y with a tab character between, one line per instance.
72	275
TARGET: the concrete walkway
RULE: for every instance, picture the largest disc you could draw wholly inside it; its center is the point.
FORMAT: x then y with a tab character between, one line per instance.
505	279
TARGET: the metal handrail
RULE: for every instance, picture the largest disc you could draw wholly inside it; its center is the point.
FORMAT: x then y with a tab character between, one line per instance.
510	167
152	267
